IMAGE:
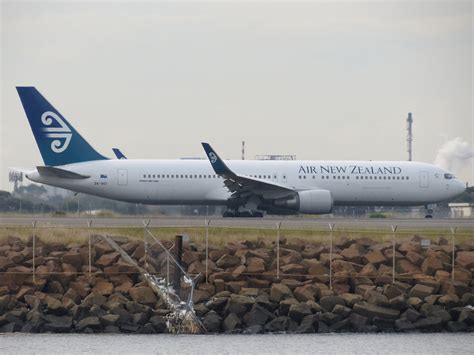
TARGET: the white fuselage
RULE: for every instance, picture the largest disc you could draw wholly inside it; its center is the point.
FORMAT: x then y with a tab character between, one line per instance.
178	182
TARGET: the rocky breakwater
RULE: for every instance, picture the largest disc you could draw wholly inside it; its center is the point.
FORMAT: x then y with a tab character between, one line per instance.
243	293
69	296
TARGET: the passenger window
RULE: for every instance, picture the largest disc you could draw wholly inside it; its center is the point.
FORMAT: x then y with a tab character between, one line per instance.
144	176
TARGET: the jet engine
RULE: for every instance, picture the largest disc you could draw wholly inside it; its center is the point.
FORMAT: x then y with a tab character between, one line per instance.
308	201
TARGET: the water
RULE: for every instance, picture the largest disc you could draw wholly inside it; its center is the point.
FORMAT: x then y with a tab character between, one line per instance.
439	343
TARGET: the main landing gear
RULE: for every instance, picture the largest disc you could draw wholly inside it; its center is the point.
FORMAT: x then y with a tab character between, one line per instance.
429	212
242	214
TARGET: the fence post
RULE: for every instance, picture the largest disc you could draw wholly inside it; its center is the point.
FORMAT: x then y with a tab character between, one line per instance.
331	228
453	236
278	249
89	224
394	230
207	222
145	226
178	252
33	224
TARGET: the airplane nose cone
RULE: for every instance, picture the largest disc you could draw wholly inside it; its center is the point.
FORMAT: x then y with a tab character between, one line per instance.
460	187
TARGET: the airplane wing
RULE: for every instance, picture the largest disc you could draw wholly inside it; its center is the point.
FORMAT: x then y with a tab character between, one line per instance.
243	186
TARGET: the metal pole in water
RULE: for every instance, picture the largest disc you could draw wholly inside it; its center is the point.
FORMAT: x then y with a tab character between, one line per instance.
167	269
34	250
453	235
331	228
89	223
394	230
208	222
178	245
278	249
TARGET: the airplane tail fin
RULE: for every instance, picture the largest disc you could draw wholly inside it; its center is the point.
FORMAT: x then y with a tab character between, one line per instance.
58	141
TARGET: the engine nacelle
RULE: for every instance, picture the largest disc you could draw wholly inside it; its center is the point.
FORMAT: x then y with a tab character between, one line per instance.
308	201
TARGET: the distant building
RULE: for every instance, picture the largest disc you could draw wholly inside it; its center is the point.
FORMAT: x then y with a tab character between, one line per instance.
275	157
461	209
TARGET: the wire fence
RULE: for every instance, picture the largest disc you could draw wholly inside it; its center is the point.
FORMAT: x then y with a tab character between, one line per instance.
328	256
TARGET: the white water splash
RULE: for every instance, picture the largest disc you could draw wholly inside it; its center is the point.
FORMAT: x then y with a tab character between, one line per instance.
454	155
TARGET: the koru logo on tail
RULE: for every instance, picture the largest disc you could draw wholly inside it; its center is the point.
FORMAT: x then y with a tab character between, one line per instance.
213	157
62	134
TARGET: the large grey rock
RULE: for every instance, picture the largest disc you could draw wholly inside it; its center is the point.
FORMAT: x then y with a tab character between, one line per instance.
231	322
342	310
263	300
217	304
330	318
285	305
89	322
299	311
257	315
340	325
467	316
374	297
358	322
328	302
212	321
399	302
309	324
279	292
279	324
456	326
384	324
239	304
411	315
159	323
57	324
371	310
109	319
432	324
94	299
421	291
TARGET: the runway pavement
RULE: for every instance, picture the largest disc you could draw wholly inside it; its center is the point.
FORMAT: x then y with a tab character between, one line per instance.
321	223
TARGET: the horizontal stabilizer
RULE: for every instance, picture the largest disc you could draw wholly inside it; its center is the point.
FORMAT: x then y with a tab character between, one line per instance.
118	153
59	173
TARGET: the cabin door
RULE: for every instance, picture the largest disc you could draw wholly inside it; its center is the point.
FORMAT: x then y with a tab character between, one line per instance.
122	177
424	179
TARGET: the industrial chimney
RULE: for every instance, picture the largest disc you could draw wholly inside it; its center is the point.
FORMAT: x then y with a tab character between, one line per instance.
409	136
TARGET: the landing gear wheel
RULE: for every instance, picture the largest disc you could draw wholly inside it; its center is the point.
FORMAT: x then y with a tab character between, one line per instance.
245	214
429	216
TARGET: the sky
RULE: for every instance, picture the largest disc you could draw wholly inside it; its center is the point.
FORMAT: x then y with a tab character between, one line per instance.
320	80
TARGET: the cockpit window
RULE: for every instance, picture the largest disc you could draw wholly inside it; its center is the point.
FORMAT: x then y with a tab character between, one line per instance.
448	176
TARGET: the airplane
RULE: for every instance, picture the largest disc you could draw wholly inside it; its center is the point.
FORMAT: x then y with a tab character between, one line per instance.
247	188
